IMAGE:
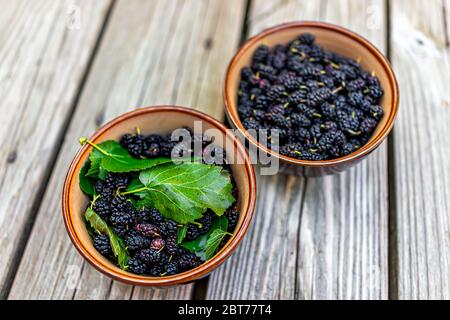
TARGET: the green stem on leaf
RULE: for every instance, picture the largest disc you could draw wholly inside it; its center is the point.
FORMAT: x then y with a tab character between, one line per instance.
84	140
133	191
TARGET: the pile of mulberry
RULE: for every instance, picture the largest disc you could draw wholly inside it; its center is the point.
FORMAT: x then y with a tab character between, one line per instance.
306	92
150	239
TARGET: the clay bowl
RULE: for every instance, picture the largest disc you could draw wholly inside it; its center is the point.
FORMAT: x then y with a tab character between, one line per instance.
333	38
160	120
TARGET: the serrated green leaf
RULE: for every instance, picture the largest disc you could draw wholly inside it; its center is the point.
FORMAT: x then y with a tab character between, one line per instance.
183	192
213	242
182	233
199	245
117	159
117	244
86	184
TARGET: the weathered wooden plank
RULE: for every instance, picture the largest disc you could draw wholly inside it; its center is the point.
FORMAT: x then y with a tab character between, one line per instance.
320	238
45	47
421	59
153	52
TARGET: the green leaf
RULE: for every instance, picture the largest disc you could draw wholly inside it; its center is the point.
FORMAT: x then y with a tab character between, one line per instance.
196	245
86	184
110	156
119	249
117	244
115	158
200	245
182	233
213	242
183	192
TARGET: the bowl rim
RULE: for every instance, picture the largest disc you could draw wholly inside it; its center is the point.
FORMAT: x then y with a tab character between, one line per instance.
181	278
358	154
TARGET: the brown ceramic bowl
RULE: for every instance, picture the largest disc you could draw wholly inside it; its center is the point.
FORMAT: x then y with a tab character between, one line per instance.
333	38
160	120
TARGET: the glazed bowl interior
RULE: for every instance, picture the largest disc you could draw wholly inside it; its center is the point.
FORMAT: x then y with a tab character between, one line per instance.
332	38
157	120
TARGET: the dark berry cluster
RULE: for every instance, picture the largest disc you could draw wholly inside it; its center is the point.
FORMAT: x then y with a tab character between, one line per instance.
150	238
322	105
184	143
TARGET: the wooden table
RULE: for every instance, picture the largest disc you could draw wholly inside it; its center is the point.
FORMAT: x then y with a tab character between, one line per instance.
380	230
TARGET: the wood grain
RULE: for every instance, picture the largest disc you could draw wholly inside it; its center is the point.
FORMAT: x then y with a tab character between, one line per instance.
421	59
321	238
44	52
153	52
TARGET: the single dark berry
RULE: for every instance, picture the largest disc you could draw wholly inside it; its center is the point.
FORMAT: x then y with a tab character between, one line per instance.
121	231
102	245
170	269
206	222
136	266
300	120
232	215
168	227
171	244
155	271
260	54
192	232
151	150
306	38
135	242
188	260
123	219
102	208
376	112
150	256
367	125
166	148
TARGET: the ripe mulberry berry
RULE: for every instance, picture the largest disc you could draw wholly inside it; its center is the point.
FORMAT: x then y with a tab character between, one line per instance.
297	97
261	102
121	231
170	269
304	109
302	135
232	215
306	38
147	230
376	111
123	219
149	256
153	138
347	148
135	242
252	124
188	260
152	150
275	92
367	125
300	120
276	109
171	244
206	222
136	266
166	148
101	207
281	121
318	96
260	54
155	216
168	227
134	144
192	232
155	271
246	73
102	245
355	85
